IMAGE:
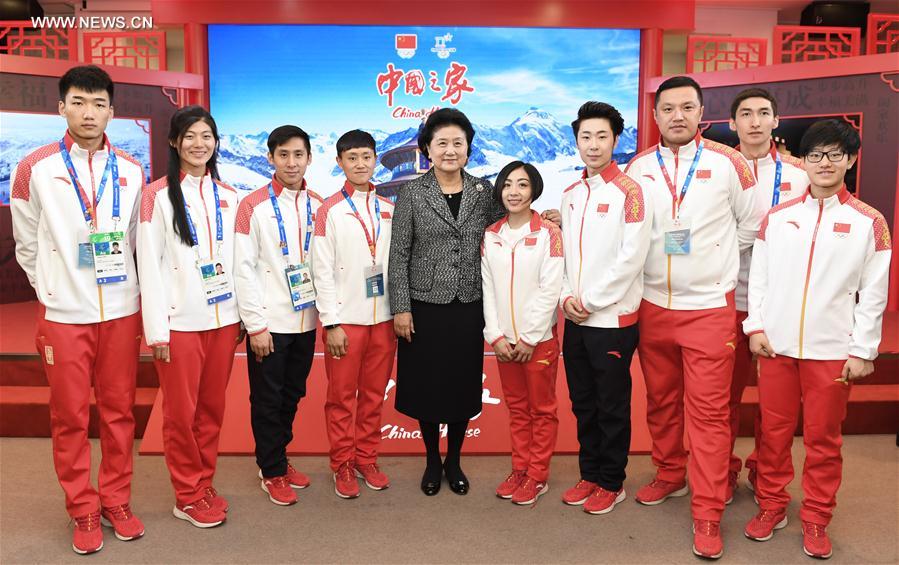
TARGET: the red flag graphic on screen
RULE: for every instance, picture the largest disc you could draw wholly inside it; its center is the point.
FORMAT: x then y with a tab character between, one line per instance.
406	44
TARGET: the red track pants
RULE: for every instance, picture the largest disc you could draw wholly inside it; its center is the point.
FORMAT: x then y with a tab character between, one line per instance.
193	406
74	356
358	377
530	393
744	367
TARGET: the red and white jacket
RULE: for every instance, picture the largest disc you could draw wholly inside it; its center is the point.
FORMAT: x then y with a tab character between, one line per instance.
794	183
341	254
810	260
48	225
606	234
521	281
172	292
720	204
263	297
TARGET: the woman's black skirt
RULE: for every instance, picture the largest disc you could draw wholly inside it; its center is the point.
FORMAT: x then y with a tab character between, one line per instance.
439	374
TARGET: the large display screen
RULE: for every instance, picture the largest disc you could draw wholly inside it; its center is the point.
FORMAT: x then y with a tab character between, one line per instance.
520	87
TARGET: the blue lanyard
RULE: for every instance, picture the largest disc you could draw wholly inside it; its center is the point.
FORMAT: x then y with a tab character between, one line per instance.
284	249
778	169
671	186
219	232
371	244
112	165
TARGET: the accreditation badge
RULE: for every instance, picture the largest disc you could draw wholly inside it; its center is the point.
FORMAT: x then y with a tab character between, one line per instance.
217	285
374	280
108	251
677	236
299	284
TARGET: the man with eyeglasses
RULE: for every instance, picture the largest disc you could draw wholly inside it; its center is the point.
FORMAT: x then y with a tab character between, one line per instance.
825	258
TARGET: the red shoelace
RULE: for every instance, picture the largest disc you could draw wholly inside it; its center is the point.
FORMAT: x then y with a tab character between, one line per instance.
767	515
280	482
815	530
120	512
707	527
345	472
88	522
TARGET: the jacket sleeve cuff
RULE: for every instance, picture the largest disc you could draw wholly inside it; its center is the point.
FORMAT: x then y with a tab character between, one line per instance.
526	341
856	352
565	300
257	332
753	332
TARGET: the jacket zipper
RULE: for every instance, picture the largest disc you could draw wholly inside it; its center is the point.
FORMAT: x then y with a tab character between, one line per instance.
674	210
218	322
296	205
580	243
90	166
808	274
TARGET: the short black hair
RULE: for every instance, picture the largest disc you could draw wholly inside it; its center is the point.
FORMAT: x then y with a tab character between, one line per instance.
824	133
355	139
752	93
282	134
677	82
533	175
89	78
593	109
440	119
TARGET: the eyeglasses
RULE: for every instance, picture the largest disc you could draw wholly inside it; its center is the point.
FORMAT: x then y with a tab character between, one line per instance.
832	156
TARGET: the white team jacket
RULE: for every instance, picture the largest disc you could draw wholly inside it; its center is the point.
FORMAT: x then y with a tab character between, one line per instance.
606	235
341	254
172	293
521	281
263	297
794	183
48	225
720	204
810	260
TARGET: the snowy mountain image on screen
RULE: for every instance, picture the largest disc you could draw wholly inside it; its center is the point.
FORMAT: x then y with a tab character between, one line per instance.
535	137
22	133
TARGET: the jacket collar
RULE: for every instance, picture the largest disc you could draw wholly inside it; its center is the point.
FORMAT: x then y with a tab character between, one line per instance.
279	188
841	196
73	147
772	151
470	187
534	224
349	188
607	174
690	146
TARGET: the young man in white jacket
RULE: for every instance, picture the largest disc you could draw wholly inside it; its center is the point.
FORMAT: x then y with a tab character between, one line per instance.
521	268
817	292
779	178
704	214
276	300
351	249
606	234
72	201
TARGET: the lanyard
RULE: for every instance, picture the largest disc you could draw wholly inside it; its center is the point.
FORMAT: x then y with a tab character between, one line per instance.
671	186
219	232
87	209
282	234
778	169
371	244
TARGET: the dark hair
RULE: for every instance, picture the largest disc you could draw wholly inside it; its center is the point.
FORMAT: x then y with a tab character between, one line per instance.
830	132
595	109
677	82
355	139
89	78
182	120
533	175
283	134
752	93
440	119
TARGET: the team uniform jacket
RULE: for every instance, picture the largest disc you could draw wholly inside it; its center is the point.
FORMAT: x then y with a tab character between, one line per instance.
522	279
172	292
263	297
341	255
794	183
48	226
720	204
606	237
810	260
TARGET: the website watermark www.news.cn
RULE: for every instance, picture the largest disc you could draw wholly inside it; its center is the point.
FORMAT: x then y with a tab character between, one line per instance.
93	22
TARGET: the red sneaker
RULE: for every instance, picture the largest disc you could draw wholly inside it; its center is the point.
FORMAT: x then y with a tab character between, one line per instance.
529	491
579	493
88	536
279	491
658	491
296	478
373	477
345	483
199	513
507	488
751	478
761	528
815	542
215	500
707	539
603	501
731	486
125	524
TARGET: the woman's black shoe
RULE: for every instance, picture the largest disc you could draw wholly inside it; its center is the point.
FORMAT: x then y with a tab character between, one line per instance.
430	481
457	480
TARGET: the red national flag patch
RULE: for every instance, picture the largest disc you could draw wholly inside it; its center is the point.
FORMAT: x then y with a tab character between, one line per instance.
602	208
385	215
785	187
223	203
123	181
841	228
703	173
529	241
